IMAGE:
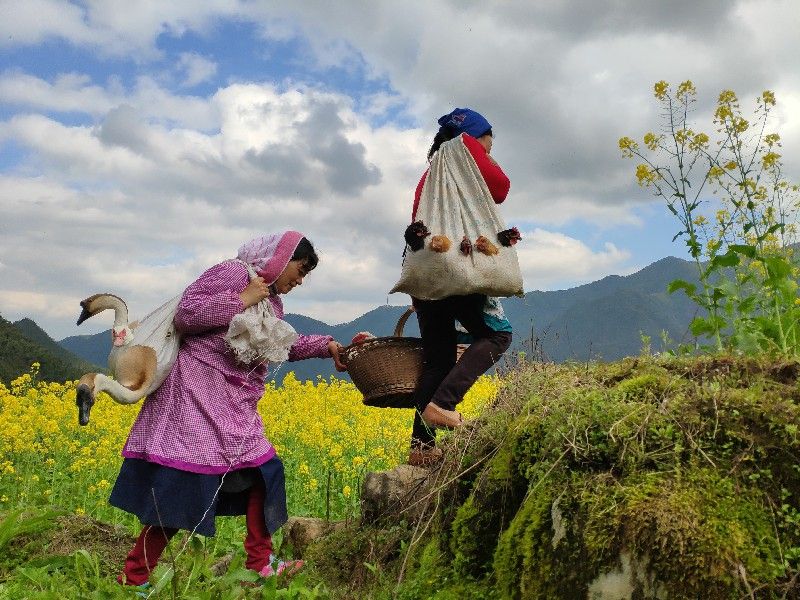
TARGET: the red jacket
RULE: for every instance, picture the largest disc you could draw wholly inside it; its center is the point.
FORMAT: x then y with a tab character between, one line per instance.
497	181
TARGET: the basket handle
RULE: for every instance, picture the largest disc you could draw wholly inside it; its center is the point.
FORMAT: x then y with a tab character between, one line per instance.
398	330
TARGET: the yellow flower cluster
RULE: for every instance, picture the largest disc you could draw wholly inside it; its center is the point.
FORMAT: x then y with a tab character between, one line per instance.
685	92
628	147
768	97
645	175
325	435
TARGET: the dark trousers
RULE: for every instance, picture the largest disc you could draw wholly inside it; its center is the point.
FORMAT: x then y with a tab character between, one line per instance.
445	381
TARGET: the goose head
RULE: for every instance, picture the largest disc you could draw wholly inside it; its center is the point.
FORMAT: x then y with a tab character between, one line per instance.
84	398
100	302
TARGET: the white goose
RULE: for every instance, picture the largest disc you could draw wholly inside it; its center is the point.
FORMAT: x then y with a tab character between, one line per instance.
133	366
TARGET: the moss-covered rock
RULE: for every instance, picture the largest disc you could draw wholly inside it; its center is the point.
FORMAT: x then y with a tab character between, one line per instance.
654	477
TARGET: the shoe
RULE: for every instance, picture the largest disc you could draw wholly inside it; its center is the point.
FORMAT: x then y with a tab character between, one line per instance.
276	567
143	590
435	416
422	456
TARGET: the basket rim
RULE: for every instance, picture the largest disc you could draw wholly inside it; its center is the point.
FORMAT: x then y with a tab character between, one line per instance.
384	339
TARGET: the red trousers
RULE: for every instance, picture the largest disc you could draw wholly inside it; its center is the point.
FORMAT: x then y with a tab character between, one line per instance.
153	540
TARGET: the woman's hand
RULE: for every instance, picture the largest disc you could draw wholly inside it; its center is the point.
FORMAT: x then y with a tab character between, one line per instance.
335	348
255	292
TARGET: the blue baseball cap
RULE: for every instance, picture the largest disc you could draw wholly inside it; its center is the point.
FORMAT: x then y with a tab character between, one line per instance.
466	120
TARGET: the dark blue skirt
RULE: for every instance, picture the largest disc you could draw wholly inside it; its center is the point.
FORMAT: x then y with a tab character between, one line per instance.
169	497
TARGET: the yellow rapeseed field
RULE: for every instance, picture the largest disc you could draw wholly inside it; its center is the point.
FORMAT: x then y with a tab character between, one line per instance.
326	437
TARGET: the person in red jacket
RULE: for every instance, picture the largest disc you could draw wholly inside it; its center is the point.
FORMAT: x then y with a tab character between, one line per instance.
444	381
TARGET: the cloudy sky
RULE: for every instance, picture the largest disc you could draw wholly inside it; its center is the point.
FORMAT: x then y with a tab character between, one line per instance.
141	142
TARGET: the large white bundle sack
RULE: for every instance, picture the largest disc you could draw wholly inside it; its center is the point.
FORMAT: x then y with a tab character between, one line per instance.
456	203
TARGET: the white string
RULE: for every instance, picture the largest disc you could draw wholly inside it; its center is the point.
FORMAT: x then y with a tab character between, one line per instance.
222	478
261	361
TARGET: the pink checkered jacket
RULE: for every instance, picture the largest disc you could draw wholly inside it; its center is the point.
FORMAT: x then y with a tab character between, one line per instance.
203	418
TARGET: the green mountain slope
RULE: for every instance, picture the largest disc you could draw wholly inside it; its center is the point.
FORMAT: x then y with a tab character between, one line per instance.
38	336
18	352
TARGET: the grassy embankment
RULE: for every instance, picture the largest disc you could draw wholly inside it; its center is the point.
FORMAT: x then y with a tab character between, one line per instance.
684	471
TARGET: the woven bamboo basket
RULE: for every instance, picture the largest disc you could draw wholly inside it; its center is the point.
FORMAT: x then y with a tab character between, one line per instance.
386	369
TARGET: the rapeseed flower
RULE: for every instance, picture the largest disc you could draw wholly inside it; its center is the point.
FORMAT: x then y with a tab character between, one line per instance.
324	433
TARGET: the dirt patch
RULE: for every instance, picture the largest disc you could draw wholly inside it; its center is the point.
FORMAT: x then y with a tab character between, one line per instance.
110	543
70	533
737	371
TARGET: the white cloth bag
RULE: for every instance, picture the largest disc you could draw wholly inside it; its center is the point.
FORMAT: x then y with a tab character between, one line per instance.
456	202
257	334
158	332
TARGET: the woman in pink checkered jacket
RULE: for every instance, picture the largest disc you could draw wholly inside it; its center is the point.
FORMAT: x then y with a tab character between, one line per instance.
197	448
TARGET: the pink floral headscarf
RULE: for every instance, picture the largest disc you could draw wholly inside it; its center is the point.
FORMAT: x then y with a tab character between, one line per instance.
270	254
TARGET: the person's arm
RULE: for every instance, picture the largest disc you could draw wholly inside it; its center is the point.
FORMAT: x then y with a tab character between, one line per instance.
310	346
417	195
317	346
496	180
213	300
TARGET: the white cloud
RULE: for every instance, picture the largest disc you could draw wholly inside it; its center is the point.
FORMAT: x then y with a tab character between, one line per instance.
195	68
380	104
69	92
74	92
154	185
141	208
110	27
551	260
35	21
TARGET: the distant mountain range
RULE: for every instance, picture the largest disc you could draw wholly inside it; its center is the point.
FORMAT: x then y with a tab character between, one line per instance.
603	320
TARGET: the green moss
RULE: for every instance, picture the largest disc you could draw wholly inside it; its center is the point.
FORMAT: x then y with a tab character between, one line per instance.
495	498
430	576
542	555
688	466
697	530
525	537
647	387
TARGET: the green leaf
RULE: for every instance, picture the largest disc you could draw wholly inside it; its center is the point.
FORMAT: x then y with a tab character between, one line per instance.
372	568
164	580
749	342
743	249
778	267
680	284
14	524
718	294
195	543
729	259
700	327
786	288
747	305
